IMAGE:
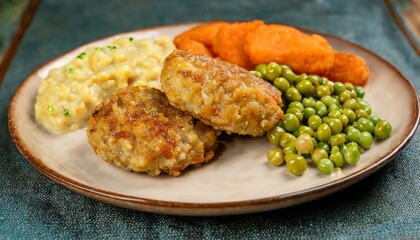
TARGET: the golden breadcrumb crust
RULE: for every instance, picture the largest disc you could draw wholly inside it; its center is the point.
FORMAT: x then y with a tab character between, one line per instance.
138	130
220	94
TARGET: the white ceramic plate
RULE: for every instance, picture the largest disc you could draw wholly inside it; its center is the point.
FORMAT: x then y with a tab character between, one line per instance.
238	180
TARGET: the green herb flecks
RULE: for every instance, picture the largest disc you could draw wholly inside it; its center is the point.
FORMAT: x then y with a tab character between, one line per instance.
50	108
82	55
66	112
131	38
112	47
71	71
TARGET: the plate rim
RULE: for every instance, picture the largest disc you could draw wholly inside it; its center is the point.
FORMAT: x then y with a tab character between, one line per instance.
216	208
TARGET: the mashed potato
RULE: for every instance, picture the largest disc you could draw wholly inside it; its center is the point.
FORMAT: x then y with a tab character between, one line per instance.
69	93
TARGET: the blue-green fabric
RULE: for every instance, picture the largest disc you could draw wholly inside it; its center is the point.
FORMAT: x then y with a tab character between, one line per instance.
386	205
11	12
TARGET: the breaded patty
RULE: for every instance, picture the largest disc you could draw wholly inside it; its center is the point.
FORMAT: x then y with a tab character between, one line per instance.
220	94
138	130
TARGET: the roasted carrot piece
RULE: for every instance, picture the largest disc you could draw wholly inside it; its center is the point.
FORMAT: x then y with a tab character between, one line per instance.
199	39
349	68
229	43
287	45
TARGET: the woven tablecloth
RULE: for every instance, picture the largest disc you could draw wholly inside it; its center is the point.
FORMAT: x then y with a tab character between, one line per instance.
385	205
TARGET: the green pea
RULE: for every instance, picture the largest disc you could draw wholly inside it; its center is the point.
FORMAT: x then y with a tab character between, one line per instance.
360	91
349	86
290	122
324	146
290	147
344	96
284	67
360	113
364	124
312	92
274	134
314	122
305	129
333	107
374	119
344	119
319	104
328	100
296	112
297	164
321	109
339	88
273	71
276	156
362	103
308	102
323	80
343	149
304	86
298	79
353	134
350	115
288	156
351	104
351	155
326	119
346	128
262	68
336	99
307	112
282	84
318	154
335	125
322	90
301	77
257	74
337	140
325	166
292	95
365	140
324	132
334	113
368	109
286	138
304	144
383	129
314	79
330	85
297	105
336	157
355	144
295	133
288	74
353	94
314	141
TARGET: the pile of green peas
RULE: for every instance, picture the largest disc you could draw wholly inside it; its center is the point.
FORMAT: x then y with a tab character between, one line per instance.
325	123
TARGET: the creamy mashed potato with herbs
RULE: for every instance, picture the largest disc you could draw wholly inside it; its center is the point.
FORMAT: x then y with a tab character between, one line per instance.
69	93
